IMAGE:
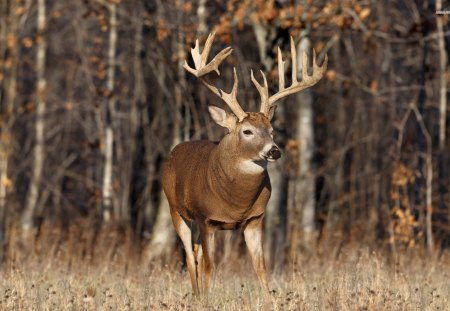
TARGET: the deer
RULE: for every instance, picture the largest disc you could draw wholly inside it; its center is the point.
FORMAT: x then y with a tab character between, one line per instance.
225	185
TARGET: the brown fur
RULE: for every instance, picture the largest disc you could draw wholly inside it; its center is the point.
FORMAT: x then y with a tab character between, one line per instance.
204	184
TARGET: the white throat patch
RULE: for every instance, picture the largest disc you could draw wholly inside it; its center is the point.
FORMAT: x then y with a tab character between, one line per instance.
250	167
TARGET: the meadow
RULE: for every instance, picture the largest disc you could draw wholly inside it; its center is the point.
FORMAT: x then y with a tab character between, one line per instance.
358	279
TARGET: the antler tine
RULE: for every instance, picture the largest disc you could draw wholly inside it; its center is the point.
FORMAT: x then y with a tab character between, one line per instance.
263	92
307	80
202	68
230	98
294	61
280	71
207	48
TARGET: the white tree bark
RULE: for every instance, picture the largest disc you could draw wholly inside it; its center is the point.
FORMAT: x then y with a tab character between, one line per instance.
305	185
107	193
202	15
39	148
443	80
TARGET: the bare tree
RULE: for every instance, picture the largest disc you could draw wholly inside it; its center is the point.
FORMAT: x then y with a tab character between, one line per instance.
39	147
301	226
202	14
107	190
162	234
443	81
305	191
9	53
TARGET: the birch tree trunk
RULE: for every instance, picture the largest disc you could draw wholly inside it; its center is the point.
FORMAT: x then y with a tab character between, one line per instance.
444	158
39	148
107	191
443	80
304	188
202	14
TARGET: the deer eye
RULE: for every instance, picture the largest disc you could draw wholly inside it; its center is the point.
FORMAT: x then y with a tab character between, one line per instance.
248	132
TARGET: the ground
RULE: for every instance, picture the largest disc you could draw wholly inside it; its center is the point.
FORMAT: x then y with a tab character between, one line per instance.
358	280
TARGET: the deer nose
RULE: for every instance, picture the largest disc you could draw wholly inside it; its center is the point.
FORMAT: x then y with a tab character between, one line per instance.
274	153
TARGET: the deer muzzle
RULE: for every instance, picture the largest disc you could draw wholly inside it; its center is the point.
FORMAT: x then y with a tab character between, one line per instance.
274	153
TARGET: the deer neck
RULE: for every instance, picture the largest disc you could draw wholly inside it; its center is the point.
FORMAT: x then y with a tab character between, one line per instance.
234	178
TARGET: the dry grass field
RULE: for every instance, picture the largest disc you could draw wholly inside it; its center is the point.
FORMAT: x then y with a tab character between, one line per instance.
357	280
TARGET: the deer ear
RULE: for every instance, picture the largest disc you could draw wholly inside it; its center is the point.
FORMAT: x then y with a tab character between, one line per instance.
222	117
271	112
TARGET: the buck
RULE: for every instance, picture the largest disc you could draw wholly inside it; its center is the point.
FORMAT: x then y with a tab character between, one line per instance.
225	185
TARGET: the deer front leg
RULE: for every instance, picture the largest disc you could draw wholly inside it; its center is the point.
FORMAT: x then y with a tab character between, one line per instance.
207	250
253	238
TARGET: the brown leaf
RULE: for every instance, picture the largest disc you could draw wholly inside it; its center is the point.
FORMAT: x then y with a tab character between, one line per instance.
374	85
331	74
364	13
7	182
27	42
20	11
11	40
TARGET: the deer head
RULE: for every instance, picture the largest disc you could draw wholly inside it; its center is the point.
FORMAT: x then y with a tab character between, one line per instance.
251	131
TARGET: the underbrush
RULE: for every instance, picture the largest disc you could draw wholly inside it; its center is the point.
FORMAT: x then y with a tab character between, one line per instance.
359	279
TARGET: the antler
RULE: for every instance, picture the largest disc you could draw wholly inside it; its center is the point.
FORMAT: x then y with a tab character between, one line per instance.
201	69
296	86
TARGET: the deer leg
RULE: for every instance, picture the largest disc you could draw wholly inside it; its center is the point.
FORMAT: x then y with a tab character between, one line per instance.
207	247
253	239
198	252
185	234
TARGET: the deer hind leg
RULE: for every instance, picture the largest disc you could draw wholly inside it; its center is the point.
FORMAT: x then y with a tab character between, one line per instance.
253	239
185	234
198	252
206	256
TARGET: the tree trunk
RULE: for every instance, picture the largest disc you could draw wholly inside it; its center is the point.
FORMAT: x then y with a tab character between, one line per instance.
428	181
305	181
147	217
202	15
8	53
443	157
126	148
274	227
39	148
163	235
107	191
336	115
421	183
443	80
